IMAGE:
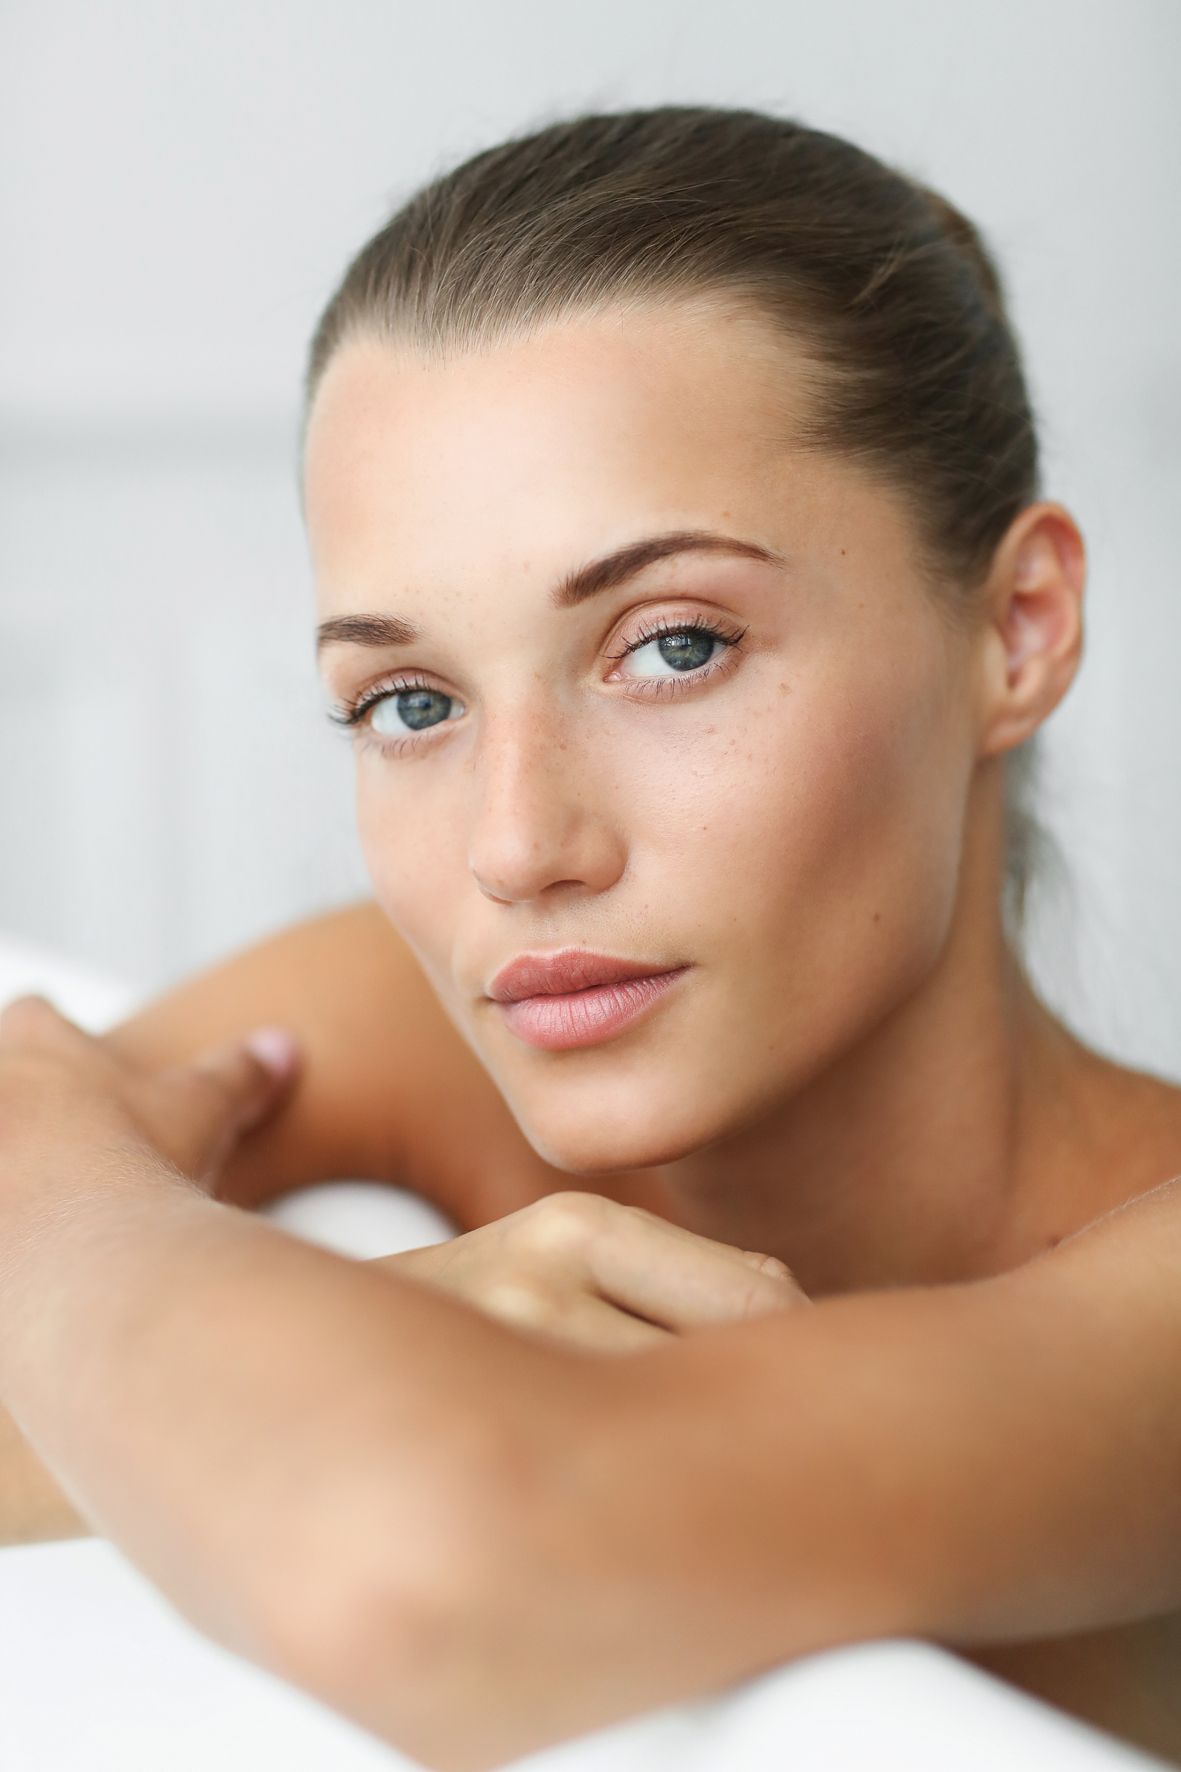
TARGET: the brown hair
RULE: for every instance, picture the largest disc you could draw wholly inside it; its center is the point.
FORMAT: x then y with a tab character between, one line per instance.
887	286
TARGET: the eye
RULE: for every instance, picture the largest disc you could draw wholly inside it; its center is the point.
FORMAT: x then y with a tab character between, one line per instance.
412	710
668	654
675	653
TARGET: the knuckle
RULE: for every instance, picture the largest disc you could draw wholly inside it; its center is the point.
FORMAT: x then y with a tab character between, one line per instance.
563	1222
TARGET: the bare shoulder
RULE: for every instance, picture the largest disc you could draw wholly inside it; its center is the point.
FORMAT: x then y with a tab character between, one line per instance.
1114	1132
1136	1121
389	1090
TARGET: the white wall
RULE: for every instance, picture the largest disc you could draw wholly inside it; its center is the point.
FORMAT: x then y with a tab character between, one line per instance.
179	188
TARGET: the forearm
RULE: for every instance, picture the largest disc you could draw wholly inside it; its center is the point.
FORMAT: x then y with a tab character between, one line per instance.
968	1464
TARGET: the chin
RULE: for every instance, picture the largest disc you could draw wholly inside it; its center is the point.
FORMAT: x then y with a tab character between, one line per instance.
601	1149
584	1131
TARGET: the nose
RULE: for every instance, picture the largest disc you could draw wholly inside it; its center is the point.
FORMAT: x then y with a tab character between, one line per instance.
540	825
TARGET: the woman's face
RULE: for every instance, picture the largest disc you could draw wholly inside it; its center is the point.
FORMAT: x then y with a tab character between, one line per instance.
664	747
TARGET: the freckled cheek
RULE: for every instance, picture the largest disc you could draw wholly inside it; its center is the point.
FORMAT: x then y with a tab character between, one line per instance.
869	822
815	806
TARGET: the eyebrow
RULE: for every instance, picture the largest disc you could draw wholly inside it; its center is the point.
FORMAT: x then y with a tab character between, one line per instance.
365	630
615	569
588	581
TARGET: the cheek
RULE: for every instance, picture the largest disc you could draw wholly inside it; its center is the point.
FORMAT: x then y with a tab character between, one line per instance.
414	851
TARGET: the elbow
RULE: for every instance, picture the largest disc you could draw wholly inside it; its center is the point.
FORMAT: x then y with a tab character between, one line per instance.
383	1655
401	1618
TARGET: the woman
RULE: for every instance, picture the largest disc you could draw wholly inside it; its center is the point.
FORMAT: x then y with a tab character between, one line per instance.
685	585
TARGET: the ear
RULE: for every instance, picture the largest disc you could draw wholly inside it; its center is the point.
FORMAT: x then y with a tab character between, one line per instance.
1033	636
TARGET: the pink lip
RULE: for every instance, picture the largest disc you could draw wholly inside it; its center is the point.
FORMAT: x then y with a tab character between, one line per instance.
573	998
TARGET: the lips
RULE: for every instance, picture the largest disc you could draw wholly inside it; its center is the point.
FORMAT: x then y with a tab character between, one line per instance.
574	998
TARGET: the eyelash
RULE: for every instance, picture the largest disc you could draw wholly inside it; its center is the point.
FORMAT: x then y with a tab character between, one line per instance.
662	687
351	714
697	624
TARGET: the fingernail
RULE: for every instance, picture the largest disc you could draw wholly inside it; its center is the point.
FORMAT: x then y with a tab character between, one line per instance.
767	1264
275	1048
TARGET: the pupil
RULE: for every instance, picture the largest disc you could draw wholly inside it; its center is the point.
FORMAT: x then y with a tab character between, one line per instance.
422	707
686	652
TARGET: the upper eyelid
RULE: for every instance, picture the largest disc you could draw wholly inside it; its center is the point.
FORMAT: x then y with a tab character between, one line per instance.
350	710
674	606
719	626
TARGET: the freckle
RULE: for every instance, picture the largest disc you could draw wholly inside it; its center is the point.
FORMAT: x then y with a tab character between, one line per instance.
784	690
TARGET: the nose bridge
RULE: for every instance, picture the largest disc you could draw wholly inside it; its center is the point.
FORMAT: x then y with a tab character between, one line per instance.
536	821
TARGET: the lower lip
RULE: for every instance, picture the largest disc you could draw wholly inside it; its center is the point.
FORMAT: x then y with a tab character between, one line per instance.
586	1018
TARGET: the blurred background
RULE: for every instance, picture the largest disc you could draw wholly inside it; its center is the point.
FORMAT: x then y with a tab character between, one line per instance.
180	187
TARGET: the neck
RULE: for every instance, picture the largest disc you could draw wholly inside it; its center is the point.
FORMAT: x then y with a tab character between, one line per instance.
932	1151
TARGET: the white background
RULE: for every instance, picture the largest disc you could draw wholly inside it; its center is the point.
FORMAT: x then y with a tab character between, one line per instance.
180	186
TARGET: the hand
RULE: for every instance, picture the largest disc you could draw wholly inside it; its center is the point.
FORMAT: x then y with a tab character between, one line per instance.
582	1269
58	1085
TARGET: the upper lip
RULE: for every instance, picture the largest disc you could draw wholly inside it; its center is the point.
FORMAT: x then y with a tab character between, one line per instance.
571	969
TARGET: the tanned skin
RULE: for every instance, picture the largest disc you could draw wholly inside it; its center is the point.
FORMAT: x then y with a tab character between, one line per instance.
973	1433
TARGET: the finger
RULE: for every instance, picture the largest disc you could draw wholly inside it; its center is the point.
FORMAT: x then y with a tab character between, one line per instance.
576	1319
597	1326
545	1303
682	1281
230	1089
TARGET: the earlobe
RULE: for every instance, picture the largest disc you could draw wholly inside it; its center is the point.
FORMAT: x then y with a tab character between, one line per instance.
1035	628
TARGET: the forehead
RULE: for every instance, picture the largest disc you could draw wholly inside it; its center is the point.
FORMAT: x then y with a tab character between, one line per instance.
544	451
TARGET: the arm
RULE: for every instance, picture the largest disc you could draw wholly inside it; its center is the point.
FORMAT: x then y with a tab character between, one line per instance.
575	1267
473	1542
